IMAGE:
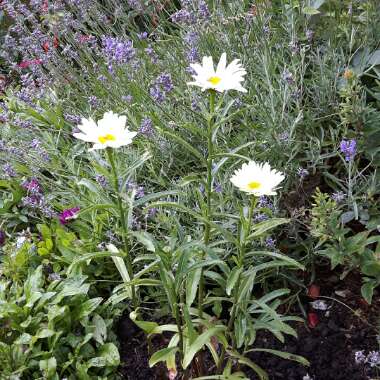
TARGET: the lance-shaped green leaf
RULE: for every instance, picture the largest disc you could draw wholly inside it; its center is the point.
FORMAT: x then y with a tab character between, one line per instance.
198	344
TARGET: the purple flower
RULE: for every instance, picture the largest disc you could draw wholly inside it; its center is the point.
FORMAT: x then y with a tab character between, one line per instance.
152	212
270	242
32	186
302	173
183	16
348	148
264	202
32	201
101	180
284	136
192	55
161	87
117	51
146	127
74	119
360	357
93	101
338	196
151	53
127	98
309	35
373	358
203	10
218	188
2	238
140	192
66	215
142	36
260	217
9	171
157	94
287	77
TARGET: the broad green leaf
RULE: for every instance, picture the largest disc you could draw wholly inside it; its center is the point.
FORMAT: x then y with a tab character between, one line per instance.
162	355
267	225
367	291
199	343
48	367
110	352
232	279
146	239
192	284
284	355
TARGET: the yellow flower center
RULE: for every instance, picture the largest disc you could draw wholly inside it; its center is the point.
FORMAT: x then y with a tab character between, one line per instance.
214	80
105	138
254	185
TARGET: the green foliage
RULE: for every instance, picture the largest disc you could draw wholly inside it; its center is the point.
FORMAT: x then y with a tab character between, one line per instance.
52	330
190	251
345	247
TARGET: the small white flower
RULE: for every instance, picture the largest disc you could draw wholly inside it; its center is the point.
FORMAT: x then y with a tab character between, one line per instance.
224	78
257	179
307	377
109	132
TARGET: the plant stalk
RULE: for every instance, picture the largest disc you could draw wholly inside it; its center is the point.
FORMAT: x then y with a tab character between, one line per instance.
123	222
247	230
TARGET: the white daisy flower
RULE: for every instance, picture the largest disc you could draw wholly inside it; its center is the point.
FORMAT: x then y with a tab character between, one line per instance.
257	179
224	78
109	132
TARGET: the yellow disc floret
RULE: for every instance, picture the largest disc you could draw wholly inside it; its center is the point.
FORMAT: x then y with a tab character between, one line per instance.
214	80
254	185
105	138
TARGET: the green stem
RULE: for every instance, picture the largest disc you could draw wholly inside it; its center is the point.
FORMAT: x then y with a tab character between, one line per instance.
210	125
124	225
242	247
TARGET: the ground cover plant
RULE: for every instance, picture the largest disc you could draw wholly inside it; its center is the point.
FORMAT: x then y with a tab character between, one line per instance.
189	190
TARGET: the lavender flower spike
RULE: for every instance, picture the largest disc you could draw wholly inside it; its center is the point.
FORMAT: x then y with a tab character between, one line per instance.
348	148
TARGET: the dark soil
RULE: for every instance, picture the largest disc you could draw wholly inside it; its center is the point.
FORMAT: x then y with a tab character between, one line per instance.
349	325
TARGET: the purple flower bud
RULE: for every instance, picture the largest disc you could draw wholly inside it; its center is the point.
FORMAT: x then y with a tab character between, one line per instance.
9	171
142	36
302	173
2	238
152	212
270	242
101	180
146	128
140	192
287	77
338	196
348	148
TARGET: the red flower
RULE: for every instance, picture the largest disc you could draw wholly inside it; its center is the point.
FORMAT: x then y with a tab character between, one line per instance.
313	291
312	320
55	42
45	46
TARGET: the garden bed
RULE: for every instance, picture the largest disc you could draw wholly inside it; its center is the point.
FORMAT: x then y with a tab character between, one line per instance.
346	327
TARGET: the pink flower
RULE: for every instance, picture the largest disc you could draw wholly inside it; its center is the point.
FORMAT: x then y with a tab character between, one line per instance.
26	64
66	215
